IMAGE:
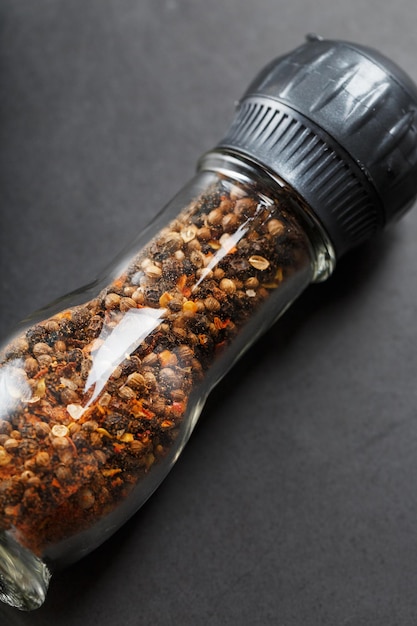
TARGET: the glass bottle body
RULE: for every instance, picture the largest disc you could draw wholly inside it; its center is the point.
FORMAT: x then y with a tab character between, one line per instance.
100	392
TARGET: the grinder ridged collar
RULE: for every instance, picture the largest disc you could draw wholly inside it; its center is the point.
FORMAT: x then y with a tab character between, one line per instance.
337	121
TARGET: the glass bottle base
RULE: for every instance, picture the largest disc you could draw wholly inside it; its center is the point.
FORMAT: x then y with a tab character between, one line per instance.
24	578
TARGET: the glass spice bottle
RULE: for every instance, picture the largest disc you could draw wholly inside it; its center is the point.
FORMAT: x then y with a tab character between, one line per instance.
100	392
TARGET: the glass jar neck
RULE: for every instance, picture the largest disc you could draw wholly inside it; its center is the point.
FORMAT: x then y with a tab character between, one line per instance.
234	165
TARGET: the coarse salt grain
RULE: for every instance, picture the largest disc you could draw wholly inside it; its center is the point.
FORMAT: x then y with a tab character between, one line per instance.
75	411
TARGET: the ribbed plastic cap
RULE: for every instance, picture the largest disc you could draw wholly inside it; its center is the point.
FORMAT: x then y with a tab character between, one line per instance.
337	122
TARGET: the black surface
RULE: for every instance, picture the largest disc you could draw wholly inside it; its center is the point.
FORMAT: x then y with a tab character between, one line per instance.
295	501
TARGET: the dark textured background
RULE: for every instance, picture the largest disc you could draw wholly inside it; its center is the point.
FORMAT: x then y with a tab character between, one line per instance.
295	502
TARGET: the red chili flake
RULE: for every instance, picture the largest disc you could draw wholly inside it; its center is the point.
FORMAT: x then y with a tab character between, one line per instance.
41	373
67	315
220	346
189	306
181	282
12	511
165	299
219	324
148	414
177	408
139	410
55	483
182	286
119	282
109	473
104	432
167	424
167	358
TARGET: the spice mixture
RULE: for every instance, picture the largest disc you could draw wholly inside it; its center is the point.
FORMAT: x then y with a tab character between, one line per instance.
94	397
